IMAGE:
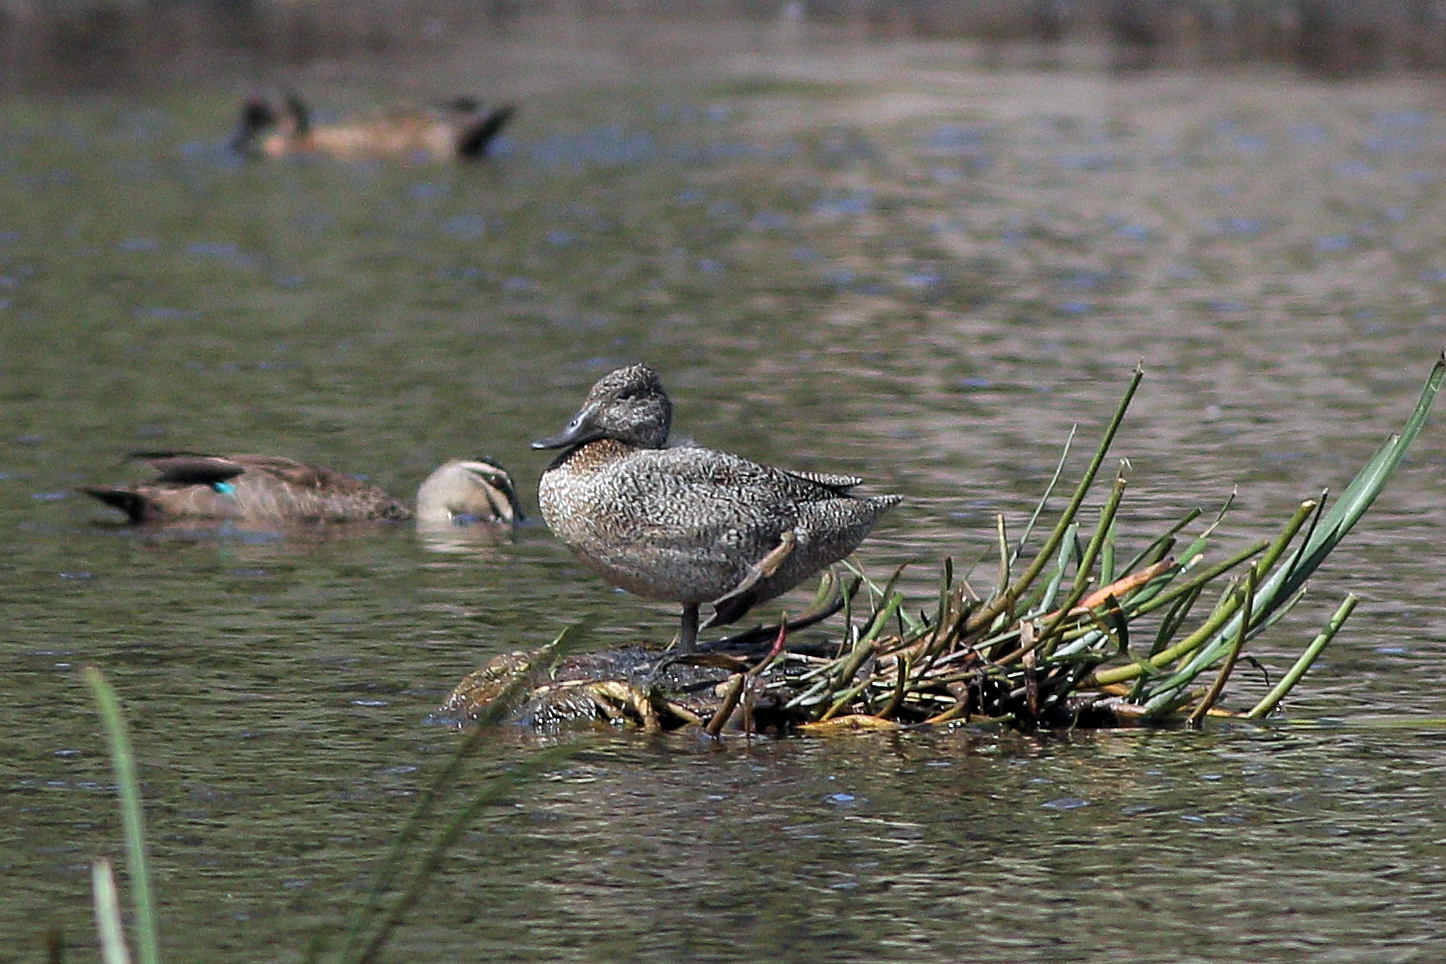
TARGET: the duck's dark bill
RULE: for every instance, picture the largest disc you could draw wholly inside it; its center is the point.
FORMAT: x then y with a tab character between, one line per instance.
555	441
579	430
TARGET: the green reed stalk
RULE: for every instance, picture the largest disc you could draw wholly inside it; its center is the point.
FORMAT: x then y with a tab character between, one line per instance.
124	763
1225	609
1107	557
1161	545
1097	541
1061	566
1306	658
1005	595
1358	497
1039	506
1049	635
1199	581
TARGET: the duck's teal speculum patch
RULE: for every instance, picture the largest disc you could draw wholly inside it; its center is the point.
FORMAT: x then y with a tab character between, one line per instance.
689	524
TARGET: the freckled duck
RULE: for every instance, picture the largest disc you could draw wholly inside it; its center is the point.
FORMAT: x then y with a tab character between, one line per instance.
688	524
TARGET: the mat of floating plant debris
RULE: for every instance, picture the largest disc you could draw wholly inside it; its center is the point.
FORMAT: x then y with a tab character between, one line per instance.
1080	635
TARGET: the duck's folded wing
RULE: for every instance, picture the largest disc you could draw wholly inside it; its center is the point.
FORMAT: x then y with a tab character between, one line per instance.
839	483
190	468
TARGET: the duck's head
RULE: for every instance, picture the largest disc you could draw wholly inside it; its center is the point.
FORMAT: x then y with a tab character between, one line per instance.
628	404
468	490
256	118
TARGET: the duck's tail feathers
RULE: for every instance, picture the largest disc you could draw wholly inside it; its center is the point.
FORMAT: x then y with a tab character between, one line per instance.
462	104
136	506
476	139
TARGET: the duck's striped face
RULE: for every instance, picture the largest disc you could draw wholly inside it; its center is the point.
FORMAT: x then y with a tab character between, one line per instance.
496	485
628	405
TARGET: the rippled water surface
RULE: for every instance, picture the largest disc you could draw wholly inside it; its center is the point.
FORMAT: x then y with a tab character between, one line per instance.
841	257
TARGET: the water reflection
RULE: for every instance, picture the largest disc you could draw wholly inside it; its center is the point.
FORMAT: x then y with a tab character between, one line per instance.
476	538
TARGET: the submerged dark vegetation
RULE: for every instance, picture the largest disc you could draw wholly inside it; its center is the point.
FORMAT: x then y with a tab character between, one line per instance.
1078	635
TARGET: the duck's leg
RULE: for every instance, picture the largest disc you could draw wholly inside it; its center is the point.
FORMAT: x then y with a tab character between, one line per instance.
723	612
688	636
817	614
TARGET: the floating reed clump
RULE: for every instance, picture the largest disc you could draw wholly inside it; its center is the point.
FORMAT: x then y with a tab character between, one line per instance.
1078	636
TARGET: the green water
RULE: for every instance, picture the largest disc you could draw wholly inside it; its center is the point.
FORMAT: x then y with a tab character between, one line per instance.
860	257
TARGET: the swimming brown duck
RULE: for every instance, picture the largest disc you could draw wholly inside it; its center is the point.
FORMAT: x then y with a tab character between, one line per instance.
689	524
269	489
460	130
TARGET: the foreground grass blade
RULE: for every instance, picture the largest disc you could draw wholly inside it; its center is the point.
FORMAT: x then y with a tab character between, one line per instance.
123	761
497	786
364	911
107	914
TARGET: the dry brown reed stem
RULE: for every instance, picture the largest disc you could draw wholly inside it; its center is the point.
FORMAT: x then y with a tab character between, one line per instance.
1218	686
730	701
1120	587
1115	589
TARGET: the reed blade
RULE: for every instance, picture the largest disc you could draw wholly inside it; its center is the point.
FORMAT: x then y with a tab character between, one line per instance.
108	914
124	763
1303	663
1003	600
364	909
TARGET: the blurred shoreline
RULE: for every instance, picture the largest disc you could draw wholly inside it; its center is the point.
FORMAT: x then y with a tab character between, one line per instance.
71	45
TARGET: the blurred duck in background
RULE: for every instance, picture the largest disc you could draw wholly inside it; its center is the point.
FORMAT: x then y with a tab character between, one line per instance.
458	130
268	489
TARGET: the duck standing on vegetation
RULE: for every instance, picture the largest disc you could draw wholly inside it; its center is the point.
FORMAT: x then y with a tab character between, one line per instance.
689	524
459	131
268	489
